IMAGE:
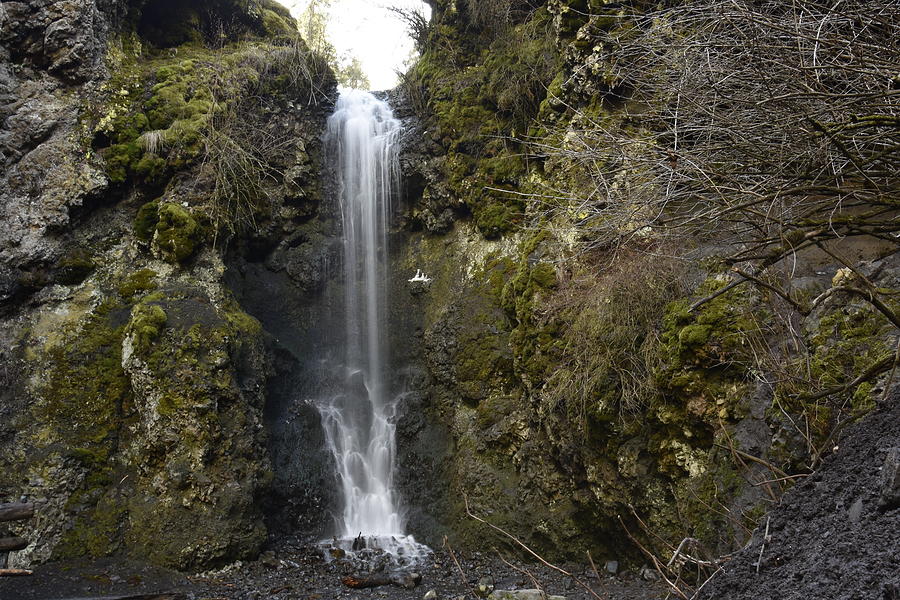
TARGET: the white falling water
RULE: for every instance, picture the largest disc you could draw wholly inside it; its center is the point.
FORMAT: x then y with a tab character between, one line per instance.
359	418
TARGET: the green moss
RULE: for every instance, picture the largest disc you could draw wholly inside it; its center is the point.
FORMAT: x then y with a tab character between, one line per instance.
85	404
543	275
495	218
145	222
714	337
693	336
701	507
119	158
177	233
863	400
75	267
480	108
137	282
86	390
501	169
96	531
533	340
275	23
173	113
240	321
846	342
150	167
147	320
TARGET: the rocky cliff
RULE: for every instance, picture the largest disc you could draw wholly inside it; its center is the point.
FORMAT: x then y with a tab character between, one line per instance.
147	146
644	319
610	361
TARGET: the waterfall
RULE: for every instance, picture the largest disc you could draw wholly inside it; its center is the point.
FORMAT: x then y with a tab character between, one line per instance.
358	416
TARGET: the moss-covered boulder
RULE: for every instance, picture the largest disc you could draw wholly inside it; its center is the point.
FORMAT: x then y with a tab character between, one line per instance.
177	233
197	371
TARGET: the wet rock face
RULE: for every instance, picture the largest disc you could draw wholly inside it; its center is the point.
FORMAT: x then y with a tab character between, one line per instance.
296	316
47	176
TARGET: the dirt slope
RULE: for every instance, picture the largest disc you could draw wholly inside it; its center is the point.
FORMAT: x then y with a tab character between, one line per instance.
836	535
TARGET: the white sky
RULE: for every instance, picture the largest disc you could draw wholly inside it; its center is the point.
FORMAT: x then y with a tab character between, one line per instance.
370	32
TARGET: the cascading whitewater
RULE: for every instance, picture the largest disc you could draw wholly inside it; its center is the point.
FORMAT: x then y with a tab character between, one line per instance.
358	419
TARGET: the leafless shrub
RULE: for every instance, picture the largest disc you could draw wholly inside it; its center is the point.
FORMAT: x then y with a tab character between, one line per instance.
238	172
763	128
775	127
303	69
417	24
243	154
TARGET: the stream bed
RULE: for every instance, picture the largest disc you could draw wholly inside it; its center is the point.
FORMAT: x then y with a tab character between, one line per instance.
295	572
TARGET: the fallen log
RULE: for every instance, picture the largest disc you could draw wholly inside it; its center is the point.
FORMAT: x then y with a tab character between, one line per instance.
12	543
359	582
16	511
400	579
14	572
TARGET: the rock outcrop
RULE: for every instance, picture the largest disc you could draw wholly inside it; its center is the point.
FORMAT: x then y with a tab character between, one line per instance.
580	362
578	385
139	162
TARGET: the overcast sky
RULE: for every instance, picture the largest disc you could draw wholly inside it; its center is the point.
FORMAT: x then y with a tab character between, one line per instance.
370	32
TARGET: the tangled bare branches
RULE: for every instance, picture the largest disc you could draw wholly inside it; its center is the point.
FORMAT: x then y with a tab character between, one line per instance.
774	126
768	131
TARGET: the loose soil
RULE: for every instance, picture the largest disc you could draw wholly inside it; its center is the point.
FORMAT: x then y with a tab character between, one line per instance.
828	539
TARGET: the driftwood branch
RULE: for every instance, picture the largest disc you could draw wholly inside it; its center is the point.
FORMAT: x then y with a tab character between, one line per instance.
16	511
400	579
12	543
359	582
14	572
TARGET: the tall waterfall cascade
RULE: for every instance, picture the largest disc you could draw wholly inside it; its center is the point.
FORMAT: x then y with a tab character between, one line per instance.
358	416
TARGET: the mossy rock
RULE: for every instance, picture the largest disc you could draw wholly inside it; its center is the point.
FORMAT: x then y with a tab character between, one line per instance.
137	282
75	267
188	360
147	320
177	233
84	409
144	224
